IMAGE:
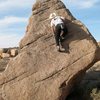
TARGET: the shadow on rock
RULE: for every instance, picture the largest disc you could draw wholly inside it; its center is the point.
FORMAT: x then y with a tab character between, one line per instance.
76	32
88	89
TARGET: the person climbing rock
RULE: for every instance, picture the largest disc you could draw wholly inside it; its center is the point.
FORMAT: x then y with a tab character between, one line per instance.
59	29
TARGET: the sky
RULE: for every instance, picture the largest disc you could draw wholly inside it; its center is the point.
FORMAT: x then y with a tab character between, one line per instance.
14	15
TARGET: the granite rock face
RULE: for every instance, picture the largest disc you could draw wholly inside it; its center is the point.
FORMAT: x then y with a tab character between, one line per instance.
39	72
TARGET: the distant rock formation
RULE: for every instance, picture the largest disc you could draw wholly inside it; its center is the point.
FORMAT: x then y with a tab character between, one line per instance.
39	72
5	55
8	52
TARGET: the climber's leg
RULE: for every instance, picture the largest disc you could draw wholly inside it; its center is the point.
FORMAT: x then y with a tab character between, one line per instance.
65	31
57	34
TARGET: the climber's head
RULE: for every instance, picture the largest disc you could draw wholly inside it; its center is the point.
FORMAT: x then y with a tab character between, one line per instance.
52	15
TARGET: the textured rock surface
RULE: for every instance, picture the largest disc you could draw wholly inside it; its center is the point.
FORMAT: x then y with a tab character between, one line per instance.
3	63
89	88
39	72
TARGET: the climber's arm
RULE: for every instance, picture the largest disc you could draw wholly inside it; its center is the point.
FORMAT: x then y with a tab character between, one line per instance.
53	29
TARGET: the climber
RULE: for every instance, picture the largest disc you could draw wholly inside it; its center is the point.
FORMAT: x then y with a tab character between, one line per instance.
59	29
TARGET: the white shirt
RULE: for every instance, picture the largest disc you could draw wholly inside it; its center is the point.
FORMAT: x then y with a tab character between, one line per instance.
57	20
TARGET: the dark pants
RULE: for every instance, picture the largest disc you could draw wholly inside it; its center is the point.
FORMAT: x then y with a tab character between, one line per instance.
58	31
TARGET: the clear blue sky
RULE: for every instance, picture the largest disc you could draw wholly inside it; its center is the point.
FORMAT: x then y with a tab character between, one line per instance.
14	16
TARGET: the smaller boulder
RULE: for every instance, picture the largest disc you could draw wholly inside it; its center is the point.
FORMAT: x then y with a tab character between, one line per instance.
5	55
13	52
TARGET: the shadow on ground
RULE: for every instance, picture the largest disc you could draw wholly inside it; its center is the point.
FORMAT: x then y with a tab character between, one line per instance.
88	89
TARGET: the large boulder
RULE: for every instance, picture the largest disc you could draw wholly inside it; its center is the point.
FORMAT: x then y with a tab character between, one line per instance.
39	72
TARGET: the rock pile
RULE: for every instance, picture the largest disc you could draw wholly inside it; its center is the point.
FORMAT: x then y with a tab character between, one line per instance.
8	52
5	55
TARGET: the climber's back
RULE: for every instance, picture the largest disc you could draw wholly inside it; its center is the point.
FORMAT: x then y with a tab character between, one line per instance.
58	26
